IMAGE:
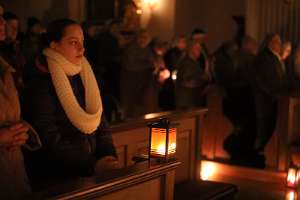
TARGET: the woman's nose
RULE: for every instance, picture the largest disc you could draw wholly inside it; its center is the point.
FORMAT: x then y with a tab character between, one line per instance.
2	21
81	47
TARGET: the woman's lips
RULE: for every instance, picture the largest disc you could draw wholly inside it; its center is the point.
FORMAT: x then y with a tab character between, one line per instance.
2	33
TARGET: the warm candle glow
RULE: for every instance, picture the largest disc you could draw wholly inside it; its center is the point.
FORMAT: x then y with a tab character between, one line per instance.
207	170
292	177
151	3
174	75
158	141
161	149
150	115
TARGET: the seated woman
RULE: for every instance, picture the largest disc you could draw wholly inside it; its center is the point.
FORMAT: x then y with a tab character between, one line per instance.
66	110
13	133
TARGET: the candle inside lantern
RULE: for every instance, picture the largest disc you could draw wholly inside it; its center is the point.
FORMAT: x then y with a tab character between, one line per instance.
159	141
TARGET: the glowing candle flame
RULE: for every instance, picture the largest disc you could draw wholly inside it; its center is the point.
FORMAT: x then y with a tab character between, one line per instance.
161	149
174	75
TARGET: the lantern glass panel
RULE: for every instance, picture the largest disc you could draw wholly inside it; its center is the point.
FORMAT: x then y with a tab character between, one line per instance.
159	141
172	140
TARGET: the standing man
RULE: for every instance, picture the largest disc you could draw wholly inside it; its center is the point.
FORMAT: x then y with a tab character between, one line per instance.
270	81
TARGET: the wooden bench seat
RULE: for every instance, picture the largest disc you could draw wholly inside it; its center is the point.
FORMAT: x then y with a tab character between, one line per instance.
204	190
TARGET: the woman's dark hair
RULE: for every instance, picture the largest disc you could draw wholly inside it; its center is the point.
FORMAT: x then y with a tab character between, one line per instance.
10	16
32	21
268	38
86	25
56	29
197	31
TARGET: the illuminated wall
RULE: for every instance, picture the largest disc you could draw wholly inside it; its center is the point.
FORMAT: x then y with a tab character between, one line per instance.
214	15
46	10
164	20
181	16
159	20
279	16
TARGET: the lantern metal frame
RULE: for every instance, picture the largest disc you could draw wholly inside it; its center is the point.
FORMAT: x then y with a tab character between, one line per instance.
162	123
296	177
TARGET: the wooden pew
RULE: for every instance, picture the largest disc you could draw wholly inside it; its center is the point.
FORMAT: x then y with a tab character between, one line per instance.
157	182
135	182
131	139
288	128
217	127
204	190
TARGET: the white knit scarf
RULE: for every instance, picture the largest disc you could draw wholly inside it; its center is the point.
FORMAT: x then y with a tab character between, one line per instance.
86	120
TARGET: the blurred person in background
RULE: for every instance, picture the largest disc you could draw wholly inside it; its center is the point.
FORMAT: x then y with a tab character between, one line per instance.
14	133
191	79
137	78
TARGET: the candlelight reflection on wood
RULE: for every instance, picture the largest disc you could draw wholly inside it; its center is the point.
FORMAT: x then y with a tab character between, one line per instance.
293	177
291	195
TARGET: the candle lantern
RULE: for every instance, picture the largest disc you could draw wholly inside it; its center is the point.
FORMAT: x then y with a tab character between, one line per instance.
293	176
162	140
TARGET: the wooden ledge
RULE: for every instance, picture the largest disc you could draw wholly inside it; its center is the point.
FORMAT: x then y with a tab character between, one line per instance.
144	120
221	169
108	182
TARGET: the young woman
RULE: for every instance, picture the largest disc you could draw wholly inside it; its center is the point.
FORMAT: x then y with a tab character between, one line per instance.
66	109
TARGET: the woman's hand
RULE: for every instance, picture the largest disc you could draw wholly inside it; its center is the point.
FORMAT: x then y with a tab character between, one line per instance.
163	75
107	163
14	135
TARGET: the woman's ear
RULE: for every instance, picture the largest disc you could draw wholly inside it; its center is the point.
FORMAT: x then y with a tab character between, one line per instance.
53	45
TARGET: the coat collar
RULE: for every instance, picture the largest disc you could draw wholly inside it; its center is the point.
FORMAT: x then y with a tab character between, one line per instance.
5	67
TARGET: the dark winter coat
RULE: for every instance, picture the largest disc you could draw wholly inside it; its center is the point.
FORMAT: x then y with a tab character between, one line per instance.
66	151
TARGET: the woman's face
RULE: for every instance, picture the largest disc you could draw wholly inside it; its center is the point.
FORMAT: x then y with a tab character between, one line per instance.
71	44
286	50
181	44
195	50
275	44
12	27
143	39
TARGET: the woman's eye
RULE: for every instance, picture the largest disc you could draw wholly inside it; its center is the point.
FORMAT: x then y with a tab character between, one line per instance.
74	43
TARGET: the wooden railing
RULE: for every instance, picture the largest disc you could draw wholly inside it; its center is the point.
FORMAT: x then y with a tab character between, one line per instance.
137	182
131	138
